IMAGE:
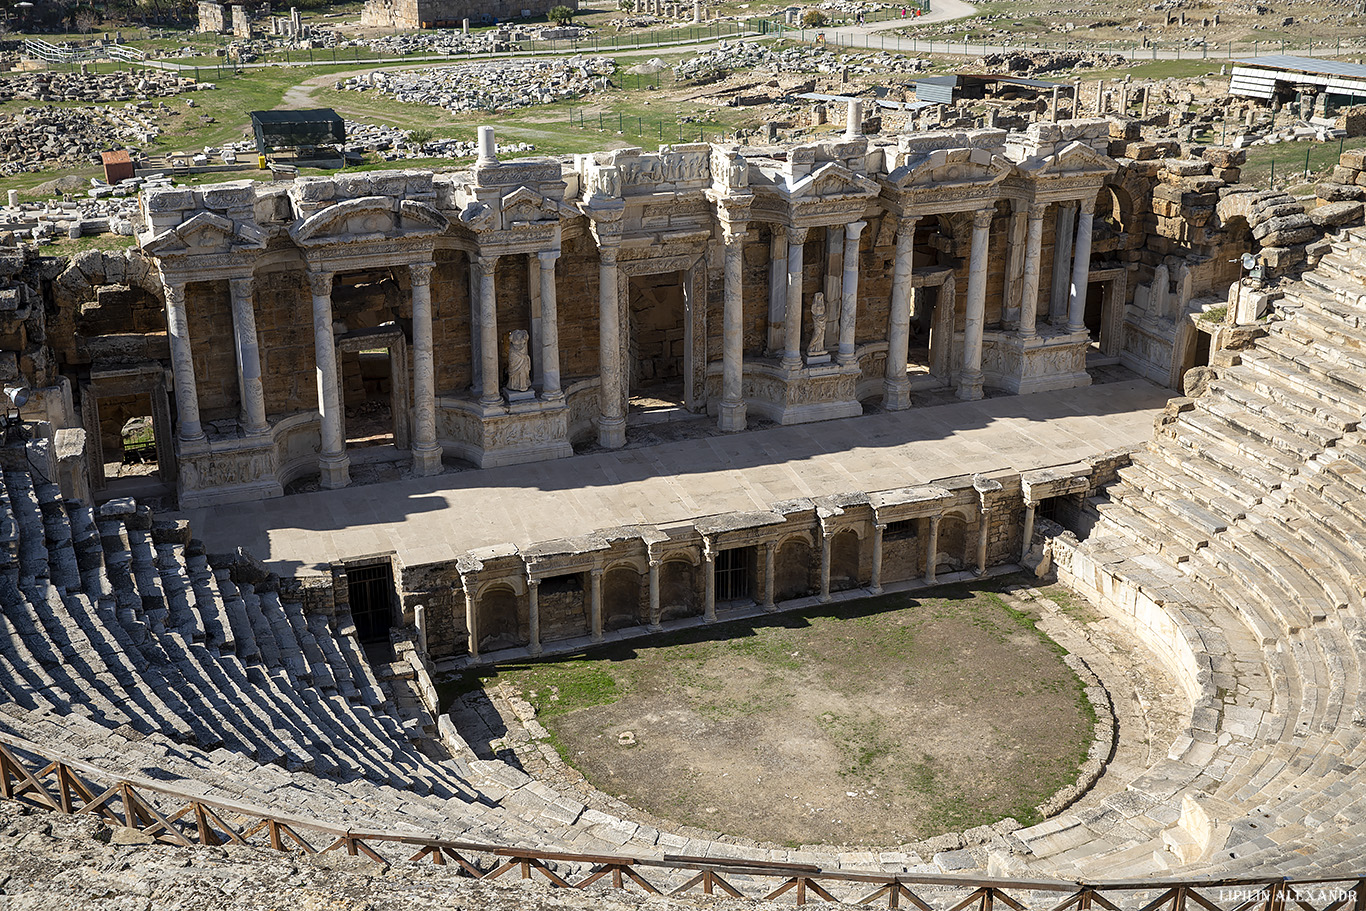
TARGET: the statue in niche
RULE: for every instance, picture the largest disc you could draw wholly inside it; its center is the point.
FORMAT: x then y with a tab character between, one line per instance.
519	362
817	347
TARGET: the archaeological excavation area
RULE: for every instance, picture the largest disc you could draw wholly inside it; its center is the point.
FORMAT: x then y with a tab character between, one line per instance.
415	449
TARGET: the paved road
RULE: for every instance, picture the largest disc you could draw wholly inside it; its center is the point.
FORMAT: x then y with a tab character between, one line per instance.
427	520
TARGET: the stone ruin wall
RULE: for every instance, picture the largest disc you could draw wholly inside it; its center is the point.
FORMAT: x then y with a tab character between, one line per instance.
411	14
101	328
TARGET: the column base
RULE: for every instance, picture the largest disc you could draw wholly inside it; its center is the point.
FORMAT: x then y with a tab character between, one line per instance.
612	433
896	396
263	430
970	386
791	362
731	417
427	460
875	589
334	471
534	649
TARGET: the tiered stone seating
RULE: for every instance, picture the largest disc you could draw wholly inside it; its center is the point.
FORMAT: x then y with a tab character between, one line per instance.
123	645
1244	518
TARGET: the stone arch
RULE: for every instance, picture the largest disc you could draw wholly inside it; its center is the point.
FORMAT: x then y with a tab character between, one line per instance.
955	537
845	551
623	594
501	621
678	589
792	576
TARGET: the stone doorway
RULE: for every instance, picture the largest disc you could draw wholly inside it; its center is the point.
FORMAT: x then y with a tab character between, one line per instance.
373	372
127	418
659	347
1104	313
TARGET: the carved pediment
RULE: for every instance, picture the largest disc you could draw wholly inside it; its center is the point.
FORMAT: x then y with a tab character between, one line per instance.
368	218
951	167
833	180
525	206
206	233
1073	160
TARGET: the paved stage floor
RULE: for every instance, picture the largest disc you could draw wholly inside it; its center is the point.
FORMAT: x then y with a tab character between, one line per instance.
427	520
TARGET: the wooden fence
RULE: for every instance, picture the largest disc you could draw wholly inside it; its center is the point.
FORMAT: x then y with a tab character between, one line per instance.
30	774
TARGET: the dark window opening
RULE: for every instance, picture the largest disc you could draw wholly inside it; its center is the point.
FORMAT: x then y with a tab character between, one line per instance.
732	574
900	531
1047	509
371	593
558	585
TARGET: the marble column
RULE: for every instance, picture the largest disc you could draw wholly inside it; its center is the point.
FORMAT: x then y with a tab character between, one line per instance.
471	618
333	463
533	600
932	550
550	328
182	363
1062	262
595	603
825	566
426	451
708	585
656	611
777	289
769	575
849	292
983	537
970	381
1081	271
792	313
1015	250
1029	285
488	332
252	393
731	416
896	387
1030	507
875	584
611	420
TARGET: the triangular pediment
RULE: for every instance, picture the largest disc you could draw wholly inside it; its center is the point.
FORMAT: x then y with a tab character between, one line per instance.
833	180
951	167
368	218
204	233
1074	159
524	205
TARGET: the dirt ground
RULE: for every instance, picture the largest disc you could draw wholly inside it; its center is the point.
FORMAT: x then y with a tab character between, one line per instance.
858	725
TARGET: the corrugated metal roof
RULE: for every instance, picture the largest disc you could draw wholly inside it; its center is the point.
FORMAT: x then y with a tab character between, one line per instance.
1293	64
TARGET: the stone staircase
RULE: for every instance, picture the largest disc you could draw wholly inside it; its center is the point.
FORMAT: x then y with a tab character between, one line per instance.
1235	545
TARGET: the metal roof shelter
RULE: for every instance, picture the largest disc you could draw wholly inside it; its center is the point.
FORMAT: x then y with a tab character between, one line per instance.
947	89
297	129
1283	74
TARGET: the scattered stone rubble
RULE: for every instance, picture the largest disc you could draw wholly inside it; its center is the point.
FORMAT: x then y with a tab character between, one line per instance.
39	137
1032	62
440	41
393	144
728	56
492	86
101	87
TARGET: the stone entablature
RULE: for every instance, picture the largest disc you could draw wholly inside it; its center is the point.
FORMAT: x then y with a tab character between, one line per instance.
802	274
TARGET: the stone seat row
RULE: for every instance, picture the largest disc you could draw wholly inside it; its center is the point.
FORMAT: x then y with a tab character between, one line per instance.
1241	529
107	613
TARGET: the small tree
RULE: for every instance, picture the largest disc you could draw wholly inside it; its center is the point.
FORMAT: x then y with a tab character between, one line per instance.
561	14
814	18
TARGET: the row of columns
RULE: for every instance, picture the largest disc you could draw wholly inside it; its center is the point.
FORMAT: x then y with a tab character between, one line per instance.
483	270
251	394
766	598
